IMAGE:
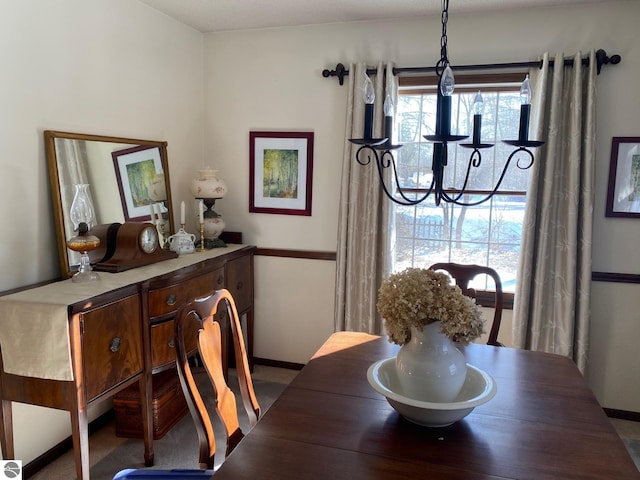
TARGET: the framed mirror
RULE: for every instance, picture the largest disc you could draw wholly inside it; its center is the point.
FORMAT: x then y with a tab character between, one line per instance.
128	182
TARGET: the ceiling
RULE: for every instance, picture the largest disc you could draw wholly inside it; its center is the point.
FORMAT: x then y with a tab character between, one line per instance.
219	15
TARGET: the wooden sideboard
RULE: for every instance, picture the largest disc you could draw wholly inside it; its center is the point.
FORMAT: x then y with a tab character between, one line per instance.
67	346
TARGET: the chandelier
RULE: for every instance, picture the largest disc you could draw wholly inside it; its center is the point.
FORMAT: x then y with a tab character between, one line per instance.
381	148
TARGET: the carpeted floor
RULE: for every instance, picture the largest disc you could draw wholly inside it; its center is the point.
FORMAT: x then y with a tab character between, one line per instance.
110	454
629	431
634	449
129	454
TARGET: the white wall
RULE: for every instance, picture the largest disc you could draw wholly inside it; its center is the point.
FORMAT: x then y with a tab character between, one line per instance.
117	67
271	80
109	67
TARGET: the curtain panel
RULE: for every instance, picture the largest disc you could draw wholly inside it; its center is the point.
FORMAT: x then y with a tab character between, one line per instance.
364	212
551	310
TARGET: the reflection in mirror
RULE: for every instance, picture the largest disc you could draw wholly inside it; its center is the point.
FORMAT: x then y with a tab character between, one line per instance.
128	181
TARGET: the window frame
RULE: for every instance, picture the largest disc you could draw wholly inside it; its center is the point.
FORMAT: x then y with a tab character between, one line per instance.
489	82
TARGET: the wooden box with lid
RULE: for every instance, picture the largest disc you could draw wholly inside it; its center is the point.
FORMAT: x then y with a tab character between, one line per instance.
168	406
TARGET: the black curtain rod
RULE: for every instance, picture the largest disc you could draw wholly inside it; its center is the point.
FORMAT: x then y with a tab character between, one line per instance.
601	58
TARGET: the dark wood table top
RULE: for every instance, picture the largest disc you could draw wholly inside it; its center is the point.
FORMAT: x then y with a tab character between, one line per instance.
544	423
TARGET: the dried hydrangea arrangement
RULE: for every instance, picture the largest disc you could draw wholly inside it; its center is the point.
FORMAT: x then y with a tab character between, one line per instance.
417	296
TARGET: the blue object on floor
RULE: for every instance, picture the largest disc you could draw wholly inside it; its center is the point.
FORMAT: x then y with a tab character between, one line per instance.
150	474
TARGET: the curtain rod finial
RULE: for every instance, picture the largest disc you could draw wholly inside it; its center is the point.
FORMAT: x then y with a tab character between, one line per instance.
603	59
339	72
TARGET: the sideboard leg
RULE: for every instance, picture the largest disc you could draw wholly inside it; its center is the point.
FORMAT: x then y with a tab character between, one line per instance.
80	436
146	392
6	435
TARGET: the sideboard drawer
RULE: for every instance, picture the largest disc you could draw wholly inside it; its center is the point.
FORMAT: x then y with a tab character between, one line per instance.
240	281
163	344
111	344
165	301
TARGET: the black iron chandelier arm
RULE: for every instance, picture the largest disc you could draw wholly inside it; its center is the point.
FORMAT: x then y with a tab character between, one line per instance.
383	162
474	161
496	188
386	160
367	160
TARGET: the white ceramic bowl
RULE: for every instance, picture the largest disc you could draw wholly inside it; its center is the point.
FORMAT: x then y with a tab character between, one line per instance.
478	388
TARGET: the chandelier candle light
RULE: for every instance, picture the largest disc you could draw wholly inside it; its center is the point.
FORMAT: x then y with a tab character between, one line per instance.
380	148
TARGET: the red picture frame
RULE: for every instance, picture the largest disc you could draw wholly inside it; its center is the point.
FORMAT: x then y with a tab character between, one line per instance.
136	168
623	195
280	172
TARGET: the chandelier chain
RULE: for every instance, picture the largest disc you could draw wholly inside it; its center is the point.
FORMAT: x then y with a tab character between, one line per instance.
444	57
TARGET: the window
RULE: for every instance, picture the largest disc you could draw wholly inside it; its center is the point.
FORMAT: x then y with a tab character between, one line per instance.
486	234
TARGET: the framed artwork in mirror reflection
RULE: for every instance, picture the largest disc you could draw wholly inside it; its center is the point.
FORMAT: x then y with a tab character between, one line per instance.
137	169
280	172
623	196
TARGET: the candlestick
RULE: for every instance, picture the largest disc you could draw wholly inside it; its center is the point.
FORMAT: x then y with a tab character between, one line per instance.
201	212
369	96
525	110
523	132
201	247
151	213
445	117
478	108
158	211
477	128
368	121
182	213
388	118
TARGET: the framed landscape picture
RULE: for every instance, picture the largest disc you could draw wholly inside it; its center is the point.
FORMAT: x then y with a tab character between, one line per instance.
136	169
623	196
280	172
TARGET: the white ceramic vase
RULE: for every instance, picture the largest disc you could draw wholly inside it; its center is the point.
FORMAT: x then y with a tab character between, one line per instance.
430	368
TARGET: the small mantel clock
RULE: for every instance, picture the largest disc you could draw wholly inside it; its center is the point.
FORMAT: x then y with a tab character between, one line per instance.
130	245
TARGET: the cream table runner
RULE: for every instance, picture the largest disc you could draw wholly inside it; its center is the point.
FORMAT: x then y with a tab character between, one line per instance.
34	324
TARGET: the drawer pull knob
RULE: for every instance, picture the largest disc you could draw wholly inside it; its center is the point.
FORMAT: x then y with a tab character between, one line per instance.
220	279
114	346
171	299
171	343
239	286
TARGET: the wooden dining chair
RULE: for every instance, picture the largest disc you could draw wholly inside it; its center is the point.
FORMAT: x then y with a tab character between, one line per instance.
463	274
210	344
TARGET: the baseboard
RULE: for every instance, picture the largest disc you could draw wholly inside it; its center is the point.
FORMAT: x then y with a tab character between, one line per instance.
622	414
277	363
55	452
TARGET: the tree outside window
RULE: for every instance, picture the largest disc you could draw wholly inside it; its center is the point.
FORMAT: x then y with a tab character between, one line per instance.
487	234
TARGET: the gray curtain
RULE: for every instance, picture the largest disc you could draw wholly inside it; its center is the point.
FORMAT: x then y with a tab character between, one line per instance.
551	311
364	213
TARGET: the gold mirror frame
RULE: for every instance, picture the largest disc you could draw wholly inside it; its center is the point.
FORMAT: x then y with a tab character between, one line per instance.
96	154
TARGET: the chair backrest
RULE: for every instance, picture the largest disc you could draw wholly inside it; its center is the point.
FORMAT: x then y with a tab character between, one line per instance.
463	274
210	340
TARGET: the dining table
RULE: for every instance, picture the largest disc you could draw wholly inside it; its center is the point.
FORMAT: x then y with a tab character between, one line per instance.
329	423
